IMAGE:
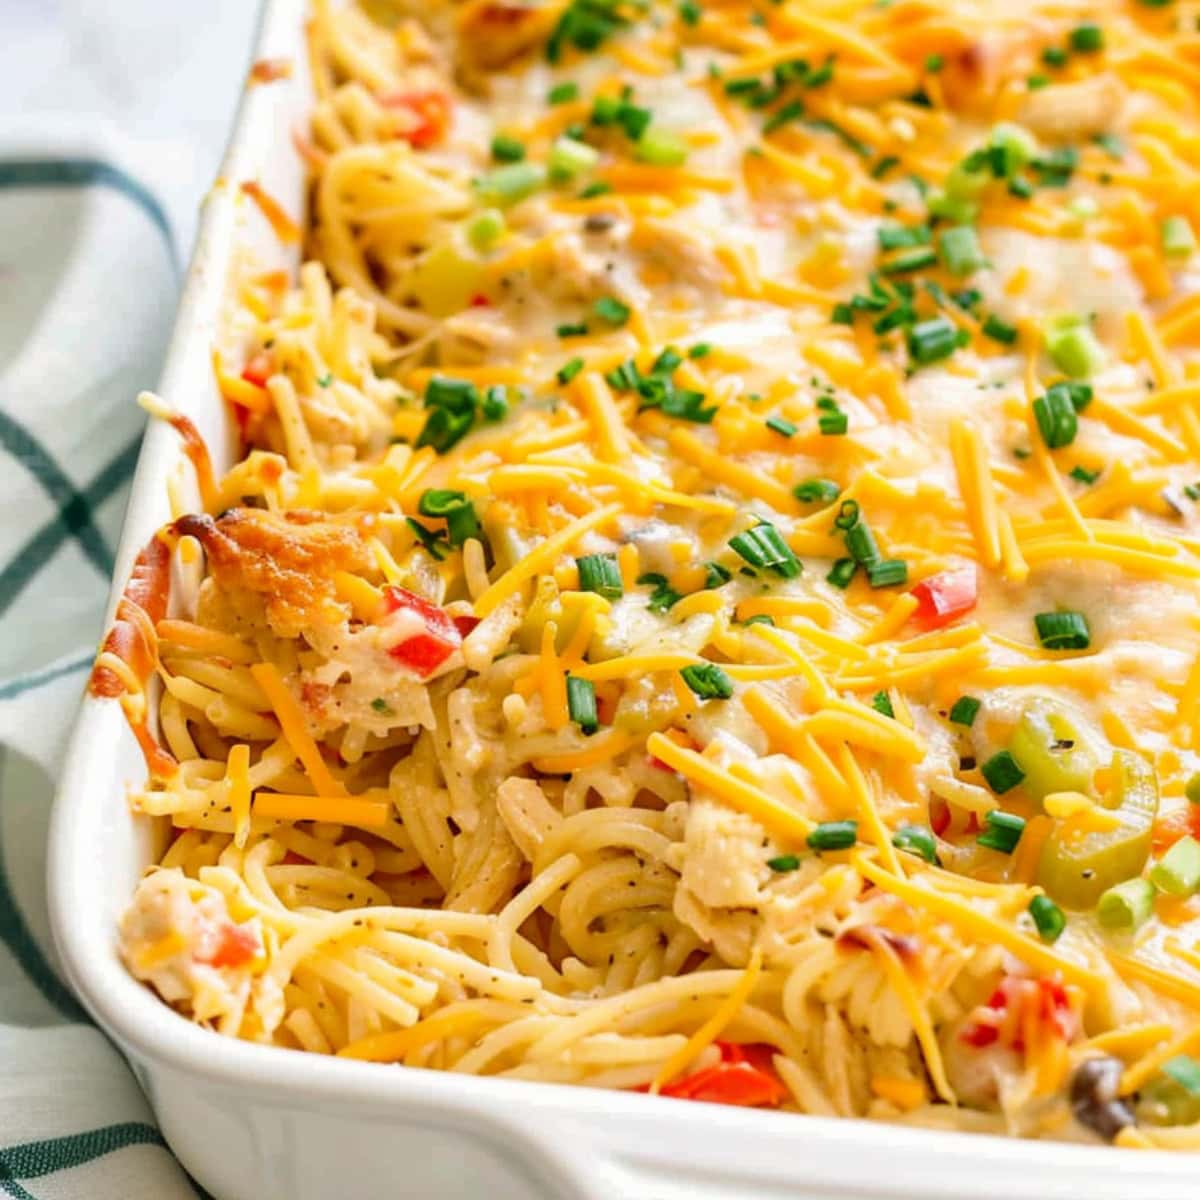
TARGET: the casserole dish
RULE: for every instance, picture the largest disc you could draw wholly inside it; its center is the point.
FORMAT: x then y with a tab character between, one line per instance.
254	1121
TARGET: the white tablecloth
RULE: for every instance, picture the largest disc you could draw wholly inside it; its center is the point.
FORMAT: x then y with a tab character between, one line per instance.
113	117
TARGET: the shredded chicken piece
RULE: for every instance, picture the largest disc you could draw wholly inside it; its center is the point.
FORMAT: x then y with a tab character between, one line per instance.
1069	111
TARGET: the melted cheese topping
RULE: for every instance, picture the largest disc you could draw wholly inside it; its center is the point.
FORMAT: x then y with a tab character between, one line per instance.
711	445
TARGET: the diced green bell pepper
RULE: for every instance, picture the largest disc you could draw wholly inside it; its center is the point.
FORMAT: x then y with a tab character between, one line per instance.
1054	751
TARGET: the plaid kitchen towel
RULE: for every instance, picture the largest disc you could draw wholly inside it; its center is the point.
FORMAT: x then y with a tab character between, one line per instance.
88	277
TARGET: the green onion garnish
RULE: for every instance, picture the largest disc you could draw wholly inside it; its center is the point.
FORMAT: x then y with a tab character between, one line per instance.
1192	788
1178	238
915	259
1087	38
1056	419
438	502
510	183
841	573
1048	918
610	309
601	187
833	835
763	546
782	426
578	329
1185	1071
715	575
887	572
783	863
1126	905
699	350
932	340
934	63
1073	347
444	428
599	573
1054	56
960	250
569	158
861	544
661	148
486	229
964	711
1083	475
433	541
1002	772
455	395
812	491
1178	871
563	92
784	115
999	331
663	595
569	370
833	424
690	12
847	515
1062	630
1002	831
581	703
899	237
507	149
916	839
495	403
882	704
708	681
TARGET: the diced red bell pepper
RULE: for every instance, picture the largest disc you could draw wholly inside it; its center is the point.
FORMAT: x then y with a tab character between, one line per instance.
236	947
258	369
423	652
743	1078
1049	998
428	115
464	625
946	596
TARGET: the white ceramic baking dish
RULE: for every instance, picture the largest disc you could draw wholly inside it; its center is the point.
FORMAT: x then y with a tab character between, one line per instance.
257	1122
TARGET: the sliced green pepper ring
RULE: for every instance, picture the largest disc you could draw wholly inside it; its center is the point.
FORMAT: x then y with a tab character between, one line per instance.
1055	752
1075	869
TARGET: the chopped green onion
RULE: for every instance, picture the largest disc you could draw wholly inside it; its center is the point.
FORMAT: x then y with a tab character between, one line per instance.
661	148
1020	187
708	681
783	863
932	340
810	491
380	705
1178	871
861	544
578	329
887	572
833	424
882	704
916	839
325	380
510	183
1192	788
1062	630
1079	394
569	370
601	187
958	209
690	12
1002	772
444	428
455	395
1037	82
888	163
759	619
964	711
999	331
1048	918
915	259
1054	56
569	158
715	575
1002	831
841	573
663	596
581	703
1111	144
439	502
507	149
833	835
934	63
462	524
847	515
763	546
897	237
960	250
782	426
486	229
1083	475
1087	38
699	350
610	309
599	573
561	93
1185	1071
433	541
1126	905
1073	347
1178	238
784	115
495	403
1056	419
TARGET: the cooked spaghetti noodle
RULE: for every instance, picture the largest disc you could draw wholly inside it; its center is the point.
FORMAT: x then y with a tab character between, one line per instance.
708	603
